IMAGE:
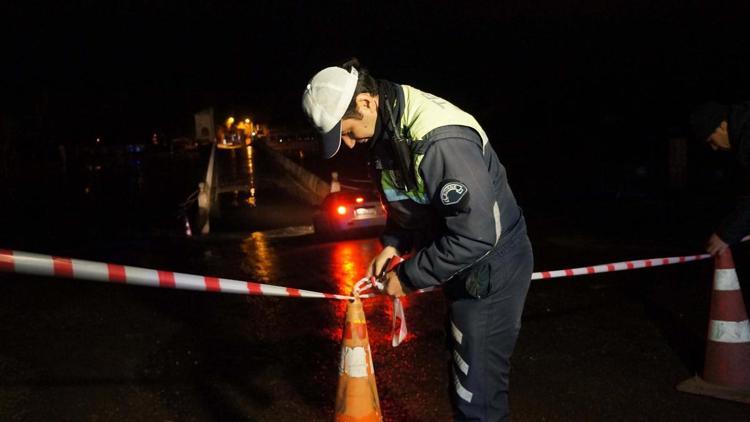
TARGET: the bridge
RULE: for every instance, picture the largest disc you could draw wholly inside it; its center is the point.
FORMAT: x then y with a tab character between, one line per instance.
235	176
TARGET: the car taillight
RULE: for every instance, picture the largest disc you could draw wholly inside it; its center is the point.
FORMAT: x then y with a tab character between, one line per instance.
359	200
341	210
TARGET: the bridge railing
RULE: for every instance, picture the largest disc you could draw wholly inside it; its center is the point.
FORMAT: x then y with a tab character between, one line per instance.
207	194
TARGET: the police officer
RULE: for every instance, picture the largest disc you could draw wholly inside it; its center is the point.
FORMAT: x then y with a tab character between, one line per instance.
450	206
726	128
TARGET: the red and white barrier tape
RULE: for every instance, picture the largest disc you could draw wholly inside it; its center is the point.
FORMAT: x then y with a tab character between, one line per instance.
398	323
399	320
53	266
618	266
46	265
605	268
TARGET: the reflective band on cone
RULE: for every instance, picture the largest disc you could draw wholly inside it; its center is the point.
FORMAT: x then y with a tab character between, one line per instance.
726	373
729	331
726	280
357	394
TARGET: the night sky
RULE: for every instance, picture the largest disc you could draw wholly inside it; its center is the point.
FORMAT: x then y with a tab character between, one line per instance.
527	69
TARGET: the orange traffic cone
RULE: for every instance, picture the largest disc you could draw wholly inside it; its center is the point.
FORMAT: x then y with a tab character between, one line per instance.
726	373
357	395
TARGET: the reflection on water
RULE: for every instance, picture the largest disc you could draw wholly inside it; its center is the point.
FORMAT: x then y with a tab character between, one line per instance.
327	268
349	262
260	259
251	177
236	176
346	263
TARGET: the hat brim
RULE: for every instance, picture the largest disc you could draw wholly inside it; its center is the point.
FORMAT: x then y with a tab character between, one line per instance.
331	142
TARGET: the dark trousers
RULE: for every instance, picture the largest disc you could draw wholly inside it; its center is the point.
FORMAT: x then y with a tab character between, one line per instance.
482	331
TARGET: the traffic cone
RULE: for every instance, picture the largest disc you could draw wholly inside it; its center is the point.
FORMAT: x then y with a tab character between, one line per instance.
726	373
357	395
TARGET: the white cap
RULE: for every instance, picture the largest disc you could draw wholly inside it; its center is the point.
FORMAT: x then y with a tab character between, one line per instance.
325	100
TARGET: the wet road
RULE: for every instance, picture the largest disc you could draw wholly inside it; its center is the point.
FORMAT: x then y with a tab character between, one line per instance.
606	347
101	352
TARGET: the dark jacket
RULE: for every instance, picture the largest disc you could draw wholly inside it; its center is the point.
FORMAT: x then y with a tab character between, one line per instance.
736	225
448	240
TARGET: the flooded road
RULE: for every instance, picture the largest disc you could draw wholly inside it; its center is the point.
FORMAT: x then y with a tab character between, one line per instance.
605	347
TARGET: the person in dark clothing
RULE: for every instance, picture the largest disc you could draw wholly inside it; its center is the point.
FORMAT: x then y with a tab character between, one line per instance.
450	208
727	128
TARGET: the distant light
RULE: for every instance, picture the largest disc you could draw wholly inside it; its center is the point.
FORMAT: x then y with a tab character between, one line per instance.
98	140
253	133
281	140
247	120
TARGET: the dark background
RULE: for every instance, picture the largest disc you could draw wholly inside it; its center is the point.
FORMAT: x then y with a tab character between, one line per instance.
564	66
579	98
557	65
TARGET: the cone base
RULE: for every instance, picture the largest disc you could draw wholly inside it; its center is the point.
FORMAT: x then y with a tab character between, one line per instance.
727	364
697	385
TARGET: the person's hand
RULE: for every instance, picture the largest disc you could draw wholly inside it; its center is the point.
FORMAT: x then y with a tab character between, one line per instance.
715	245
377	263
393	286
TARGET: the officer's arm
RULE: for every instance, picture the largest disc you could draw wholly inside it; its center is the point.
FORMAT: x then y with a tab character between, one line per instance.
448	167
737	224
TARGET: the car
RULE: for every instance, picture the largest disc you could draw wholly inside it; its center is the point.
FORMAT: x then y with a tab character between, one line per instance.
349	212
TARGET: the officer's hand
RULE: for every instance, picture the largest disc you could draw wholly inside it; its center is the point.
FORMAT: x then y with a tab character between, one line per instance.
393	286
715	245
377	263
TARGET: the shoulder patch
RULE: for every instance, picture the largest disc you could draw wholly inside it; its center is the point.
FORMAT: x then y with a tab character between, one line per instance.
452	192
452	197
